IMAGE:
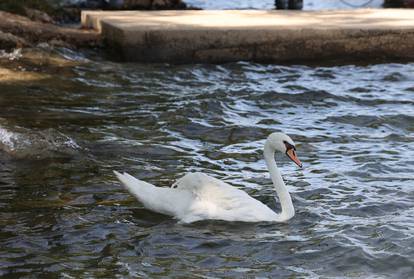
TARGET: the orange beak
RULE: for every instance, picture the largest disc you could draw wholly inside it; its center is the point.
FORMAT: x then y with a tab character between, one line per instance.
292	155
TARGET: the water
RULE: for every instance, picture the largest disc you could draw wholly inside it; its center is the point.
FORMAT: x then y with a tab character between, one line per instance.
270	4
62	132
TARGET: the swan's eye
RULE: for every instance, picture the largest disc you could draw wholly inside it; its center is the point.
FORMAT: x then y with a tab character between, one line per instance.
289	146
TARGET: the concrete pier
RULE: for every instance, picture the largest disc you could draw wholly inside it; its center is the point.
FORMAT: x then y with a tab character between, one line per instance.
263	36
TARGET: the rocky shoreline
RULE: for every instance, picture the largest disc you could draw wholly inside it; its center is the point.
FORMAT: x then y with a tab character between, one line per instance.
18	31
27	24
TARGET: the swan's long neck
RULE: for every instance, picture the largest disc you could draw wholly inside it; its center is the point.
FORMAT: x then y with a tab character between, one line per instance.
284	197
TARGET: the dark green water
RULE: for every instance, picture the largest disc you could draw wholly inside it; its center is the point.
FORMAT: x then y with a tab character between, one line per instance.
64	215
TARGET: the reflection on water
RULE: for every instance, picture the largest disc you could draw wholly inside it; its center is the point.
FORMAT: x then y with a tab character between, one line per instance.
63	214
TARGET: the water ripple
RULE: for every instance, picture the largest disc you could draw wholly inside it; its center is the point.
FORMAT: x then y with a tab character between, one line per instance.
69	218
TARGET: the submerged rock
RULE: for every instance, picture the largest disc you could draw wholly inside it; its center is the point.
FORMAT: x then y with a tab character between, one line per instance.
23	143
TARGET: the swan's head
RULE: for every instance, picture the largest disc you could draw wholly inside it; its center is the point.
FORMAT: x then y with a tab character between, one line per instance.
283	143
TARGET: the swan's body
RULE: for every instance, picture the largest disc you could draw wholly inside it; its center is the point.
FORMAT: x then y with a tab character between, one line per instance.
197	196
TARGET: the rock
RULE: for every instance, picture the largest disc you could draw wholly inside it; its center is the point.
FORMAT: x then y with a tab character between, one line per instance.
37	15
59	43
35	32
10	41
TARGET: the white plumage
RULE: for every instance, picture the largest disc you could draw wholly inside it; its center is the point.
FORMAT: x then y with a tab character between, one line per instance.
197	196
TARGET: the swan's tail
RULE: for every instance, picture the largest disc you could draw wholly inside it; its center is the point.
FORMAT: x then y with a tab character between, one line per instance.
162	200
138	188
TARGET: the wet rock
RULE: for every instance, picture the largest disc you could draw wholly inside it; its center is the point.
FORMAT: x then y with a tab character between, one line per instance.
24	143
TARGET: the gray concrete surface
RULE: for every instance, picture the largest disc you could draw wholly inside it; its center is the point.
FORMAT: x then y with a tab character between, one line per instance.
263	36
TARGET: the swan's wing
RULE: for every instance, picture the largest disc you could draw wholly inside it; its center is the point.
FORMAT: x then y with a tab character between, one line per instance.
196	181
209	188
215	199
173	202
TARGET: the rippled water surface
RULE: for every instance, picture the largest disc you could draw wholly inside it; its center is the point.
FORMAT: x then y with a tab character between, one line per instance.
64	215
270	4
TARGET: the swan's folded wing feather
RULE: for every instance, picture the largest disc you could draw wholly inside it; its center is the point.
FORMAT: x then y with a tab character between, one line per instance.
209	188
218	200
195	181
227	203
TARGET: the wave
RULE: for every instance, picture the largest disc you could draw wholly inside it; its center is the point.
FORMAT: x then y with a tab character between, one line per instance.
401	121
307	97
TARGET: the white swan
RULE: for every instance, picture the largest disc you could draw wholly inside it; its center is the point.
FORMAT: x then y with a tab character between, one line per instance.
197	196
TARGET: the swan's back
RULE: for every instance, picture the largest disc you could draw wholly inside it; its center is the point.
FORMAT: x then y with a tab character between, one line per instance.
215	199
209	188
